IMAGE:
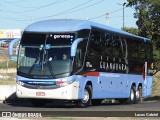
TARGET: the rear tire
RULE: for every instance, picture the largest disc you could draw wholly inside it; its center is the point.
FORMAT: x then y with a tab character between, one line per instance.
86	100
132	97
139	95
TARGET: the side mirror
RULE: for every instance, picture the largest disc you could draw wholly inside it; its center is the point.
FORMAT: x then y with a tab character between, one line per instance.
74	46
10	49
11	44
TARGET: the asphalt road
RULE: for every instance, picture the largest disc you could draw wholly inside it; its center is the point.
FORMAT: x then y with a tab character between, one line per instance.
145	109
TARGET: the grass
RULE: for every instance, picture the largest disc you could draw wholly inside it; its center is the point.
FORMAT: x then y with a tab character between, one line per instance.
152	98
11	64
156	85
8	81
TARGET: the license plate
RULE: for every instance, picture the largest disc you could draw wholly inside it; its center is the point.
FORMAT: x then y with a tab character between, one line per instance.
40	93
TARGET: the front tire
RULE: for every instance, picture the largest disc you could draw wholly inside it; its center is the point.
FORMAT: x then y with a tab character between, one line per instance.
86	100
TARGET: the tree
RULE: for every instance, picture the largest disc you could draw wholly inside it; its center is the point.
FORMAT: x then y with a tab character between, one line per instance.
148	14
134	31
143	23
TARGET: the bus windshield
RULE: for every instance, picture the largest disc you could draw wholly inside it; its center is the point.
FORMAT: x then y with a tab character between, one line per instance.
45	55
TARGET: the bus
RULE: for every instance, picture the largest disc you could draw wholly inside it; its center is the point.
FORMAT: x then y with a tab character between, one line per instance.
100	63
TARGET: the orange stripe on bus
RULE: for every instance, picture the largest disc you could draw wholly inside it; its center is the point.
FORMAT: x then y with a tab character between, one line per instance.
91	74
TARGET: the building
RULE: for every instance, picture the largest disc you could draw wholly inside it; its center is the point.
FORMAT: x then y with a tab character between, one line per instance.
6	35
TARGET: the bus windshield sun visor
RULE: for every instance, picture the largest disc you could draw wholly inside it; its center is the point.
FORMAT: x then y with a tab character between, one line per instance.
74	46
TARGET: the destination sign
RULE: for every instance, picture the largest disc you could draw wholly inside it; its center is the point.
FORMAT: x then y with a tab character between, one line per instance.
63	36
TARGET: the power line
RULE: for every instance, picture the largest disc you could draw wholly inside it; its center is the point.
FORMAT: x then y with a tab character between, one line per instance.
13	1
14	12
35	7
12	18
20	13
105	14
72	9
64	12
86	6
40	7
67	11
61	13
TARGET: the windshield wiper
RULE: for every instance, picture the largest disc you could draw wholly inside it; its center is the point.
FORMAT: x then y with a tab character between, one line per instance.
45	60
50	69
37	59
44	52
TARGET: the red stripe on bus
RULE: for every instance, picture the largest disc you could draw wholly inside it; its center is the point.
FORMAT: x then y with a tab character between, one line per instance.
91	74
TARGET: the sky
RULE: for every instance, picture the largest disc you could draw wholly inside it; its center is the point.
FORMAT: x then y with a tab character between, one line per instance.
18	14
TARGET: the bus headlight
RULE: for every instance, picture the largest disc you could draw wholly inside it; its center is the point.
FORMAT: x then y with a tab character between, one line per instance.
65	83
19	83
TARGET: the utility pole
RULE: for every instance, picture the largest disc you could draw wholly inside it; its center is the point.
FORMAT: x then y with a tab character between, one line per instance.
107	18
123	11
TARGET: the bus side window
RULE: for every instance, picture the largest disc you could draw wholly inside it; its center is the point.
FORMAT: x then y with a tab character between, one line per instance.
81	50
78	62
142	54
107	44
80	54
117	47
149	51
94	50
135	55
149	57
114	47
124	48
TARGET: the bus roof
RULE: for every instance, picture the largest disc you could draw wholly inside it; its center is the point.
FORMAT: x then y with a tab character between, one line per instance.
71	25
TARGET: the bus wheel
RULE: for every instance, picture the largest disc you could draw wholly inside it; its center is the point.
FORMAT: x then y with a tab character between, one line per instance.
38	102
132	97
85	101
139	95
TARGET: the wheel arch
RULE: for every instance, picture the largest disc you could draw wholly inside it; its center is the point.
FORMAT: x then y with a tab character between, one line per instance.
85	99
139	85
87	82
90	84
133	84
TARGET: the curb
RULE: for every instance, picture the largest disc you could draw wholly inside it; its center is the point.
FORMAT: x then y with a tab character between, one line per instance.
7	93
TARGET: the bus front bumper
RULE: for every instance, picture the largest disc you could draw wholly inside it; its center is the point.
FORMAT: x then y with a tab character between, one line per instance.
69	92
